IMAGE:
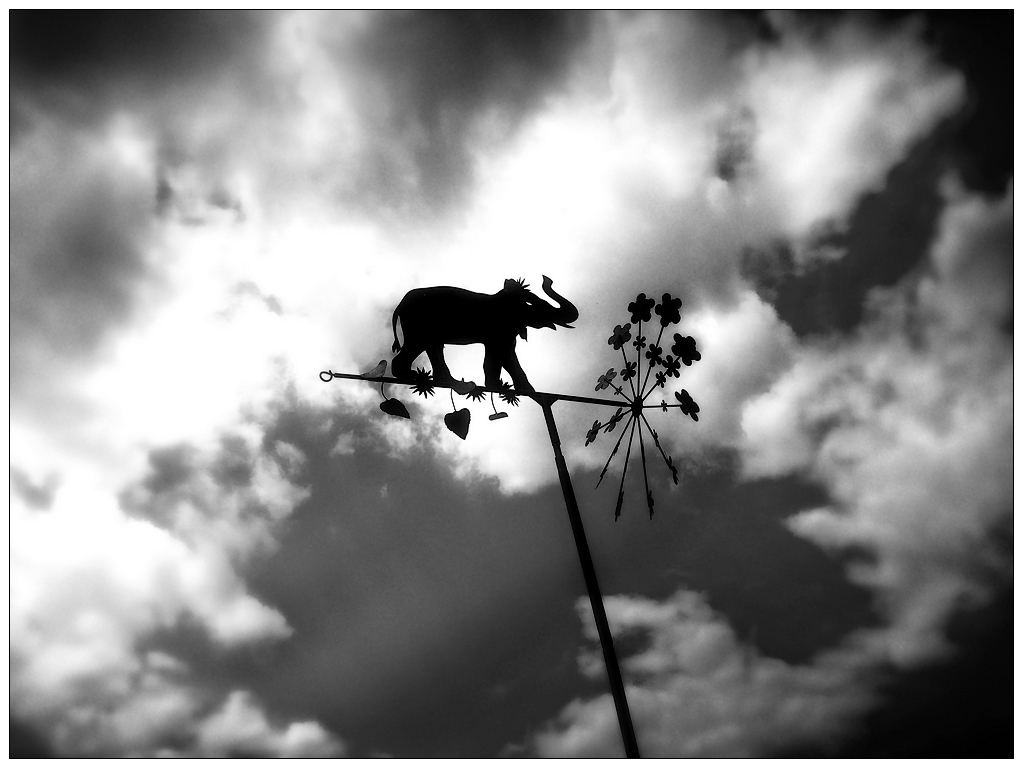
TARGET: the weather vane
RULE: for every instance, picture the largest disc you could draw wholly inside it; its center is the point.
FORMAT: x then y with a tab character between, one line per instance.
431	318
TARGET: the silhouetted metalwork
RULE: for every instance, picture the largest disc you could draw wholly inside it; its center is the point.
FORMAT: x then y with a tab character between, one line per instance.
663	367
433	317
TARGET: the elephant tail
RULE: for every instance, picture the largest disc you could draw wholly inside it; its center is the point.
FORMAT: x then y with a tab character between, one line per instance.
396	346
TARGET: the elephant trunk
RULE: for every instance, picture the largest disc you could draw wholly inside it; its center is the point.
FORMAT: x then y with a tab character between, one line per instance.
566	311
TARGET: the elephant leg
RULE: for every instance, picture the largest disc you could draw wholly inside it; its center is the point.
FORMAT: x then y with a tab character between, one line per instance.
401	365
518	375
492	368
440	367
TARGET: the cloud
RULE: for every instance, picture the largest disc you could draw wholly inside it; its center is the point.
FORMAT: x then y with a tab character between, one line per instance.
97	575
36	496
907	425
234	498
441	86
89	583
79	233
207	210
743	350
83	64
602	162
835	108
697	691
240	728
585	149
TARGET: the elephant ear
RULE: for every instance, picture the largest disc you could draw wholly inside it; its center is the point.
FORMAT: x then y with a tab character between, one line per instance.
522	333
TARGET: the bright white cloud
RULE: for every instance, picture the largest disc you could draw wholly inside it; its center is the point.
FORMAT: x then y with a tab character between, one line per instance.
92	575
743	349
88	583
698	691
240	727
835	110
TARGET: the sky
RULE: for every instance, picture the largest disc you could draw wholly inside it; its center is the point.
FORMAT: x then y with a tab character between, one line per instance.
215	553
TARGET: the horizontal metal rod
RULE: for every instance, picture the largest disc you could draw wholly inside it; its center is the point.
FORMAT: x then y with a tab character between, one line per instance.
551	396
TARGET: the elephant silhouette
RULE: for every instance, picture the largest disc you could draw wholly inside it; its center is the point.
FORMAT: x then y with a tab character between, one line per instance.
433	317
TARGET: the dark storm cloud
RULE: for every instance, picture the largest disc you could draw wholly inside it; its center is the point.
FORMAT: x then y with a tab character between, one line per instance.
446	71
25	742
889	231
447	591
980	44
170	468
80	217
221	483
432	607
887	236
956	709
82	62
76	258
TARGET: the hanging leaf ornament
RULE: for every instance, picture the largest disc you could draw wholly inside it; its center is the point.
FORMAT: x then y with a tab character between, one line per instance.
458	422
394	407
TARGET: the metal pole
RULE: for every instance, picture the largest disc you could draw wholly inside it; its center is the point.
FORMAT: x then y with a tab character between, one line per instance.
614	674
546	400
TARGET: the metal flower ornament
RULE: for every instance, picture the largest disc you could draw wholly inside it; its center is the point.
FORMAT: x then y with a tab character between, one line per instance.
431	318
650	360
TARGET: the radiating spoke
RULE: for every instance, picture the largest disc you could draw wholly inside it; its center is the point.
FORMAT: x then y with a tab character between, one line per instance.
613	452
620	393
667	459
646	483
650	369
625	468
632	384
639	359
